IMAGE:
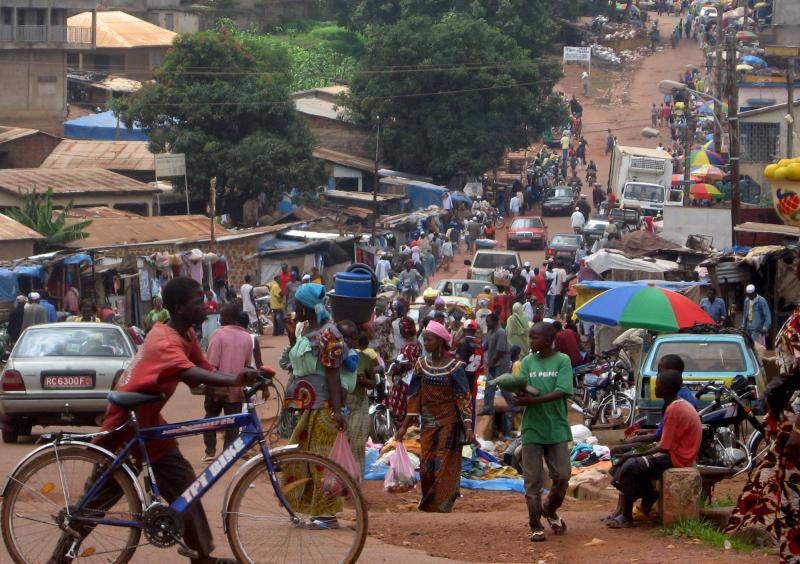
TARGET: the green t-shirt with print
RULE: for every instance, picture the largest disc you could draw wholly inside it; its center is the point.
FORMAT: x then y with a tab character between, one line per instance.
546	423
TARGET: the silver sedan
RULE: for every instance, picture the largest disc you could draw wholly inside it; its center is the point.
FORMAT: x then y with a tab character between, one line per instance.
60	374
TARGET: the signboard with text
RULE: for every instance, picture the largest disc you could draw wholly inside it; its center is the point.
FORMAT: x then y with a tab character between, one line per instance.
579	54
170	164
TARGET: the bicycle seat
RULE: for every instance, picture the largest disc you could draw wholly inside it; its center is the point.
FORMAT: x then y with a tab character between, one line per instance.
132	400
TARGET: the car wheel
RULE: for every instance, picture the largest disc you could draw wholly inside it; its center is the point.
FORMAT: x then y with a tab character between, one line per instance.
509	245
10	434
25	429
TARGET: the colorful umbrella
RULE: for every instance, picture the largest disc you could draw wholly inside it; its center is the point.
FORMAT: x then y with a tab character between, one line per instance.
705	157
746	36
707	172
744	68
678	178
644	307
704	192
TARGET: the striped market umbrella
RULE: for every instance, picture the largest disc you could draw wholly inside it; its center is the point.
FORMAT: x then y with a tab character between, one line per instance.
644	307
704	192
746	36
702	156
707	172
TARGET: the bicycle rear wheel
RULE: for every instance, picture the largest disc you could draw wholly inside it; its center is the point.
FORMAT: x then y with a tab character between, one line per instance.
38	495
330	521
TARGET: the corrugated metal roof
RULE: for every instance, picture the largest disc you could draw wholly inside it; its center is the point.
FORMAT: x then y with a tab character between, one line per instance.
115	231
13	230
120	30
73	181
12	133
317	107
110	155
352	161
98	212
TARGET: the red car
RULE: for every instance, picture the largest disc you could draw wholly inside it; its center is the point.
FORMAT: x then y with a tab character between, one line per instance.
527	231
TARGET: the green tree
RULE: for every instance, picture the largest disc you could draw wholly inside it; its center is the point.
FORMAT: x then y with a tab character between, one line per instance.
453	94
228	108
37	212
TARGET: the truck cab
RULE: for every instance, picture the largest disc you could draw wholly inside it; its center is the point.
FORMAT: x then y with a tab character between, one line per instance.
708	358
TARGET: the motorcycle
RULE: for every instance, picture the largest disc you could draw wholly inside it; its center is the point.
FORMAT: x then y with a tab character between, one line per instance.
722	453
604	390
381	423
262	315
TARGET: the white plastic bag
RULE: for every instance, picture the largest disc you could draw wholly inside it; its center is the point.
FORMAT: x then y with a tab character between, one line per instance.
401	477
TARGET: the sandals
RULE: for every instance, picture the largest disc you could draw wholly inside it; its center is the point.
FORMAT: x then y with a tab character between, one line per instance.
619	522
556	523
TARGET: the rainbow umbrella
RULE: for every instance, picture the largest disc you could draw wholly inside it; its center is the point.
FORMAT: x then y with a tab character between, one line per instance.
746	36
704	192
702	156
643	307
707	172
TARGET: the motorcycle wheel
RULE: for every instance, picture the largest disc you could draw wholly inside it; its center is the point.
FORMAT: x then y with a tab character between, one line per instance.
756	446
381	427
499	221
616	410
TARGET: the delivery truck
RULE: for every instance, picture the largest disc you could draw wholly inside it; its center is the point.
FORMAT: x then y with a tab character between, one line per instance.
643	177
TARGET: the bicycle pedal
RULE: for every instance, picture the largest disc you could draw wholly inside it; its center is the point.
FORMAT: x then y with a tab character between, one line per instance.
188	552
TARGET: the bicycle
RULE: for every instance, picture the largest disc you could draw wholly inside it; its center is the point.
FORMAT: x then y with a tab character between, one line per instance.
286	505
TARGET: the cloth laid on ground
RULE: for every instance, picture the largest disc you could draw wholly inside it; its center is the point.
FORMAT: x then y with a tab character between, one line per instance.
597	478
412	446
584	454
603	466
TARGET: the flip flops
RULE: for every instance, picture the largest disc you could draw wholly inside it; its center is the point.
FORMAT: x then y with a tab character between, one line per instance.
619	522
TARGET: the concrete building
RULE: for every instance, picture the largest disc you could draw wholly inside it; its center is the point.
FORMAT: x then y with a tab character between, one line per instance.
762	138
785	28
125	45
82	186
34	39
25	148
330	129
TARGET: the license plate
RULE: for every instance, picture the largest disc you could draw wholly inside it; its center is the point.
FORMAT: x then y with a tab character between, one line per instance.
697	386
68	382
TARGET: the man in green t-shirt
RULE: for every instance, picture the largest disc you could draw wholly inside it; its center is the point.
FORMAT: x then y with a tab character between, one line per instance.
545	429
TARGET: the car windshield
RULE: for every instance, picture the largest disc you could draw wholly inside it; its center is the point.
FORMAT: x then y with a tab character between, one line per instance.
643	192
494	260
526	222
560	193
574	240
594	224
703	356
83	341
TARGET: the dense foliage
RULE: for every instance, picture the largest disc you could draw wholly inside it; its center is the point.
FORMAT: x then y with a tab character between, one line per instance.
38	213
453	94
228	109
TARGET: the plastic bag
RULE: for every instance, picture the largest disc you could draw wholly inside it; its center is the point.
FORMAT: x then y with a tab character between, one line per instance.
342	455
401	477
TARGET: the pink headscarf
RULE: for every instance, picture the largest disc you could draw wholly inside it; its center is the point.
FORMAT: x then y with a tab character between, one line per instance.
439	330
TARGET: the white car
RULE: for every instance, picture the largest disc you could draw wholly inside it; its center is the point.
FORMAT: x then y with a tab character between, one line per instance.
462	287
60	374
484	263
707	14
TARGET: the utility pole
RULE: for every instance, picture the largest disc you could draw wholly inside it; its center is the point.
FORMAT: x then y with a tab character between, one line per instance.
790	109
718	81
375	179
733	130
212	208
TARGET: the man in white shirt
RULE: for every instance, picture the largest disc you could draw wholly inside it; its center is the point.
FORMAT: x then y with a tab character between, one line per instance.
527	273
577	220
559	276
585	83
447	202
514	205
248	303
382	268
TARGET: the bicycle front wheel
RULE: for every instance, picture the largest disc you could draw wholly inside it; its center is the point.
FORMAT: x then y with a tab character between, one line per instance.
41	491
616	410
330	515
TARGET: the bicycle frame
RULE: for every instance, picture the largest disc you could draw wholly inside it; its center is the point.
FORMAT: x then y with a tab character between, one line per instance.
250	435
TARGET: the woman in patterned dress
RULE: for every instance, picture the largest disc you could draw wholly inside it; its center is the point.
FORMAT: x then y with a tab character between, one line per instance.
315	389
439	395
770	500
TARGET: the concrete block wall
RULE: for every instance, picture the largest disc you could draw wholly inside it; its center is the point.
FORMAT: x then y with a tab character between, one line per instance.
30	151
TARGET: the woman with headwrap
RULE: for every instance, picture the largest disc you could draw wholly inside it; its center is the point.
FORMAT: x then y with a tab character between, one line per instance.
315	389
398	397
439	395
517	328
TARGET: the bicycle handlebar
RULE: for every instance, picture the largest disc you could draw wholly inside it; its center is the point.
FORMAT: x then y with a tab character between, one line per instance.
264	377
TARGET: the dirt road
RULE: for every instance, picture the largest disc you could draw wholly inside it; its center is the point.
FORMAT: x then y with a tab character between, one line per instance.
491	526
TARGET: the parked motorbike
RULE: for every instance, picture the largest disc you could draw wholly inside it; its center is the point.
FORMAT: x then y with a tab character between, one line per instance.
262	315
604	390
381	424
723	453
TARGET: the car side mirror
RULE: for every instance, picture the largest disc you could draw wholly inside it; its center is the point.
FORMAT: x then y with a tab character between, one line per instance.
467	262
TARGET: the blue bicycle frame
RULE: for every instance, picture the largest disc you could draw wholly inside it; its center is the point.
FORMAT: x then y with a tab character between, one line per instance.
251	434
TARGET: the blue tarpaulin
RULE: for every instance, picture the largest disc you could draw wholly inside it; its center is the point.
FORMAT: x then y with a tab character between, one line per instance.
78	258
423	194
103	127
9	279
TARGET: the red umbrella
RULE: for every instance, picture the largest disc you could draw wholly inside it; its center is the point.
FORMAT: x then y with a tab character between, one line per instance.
678	178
